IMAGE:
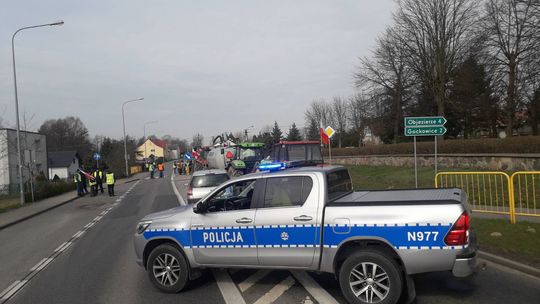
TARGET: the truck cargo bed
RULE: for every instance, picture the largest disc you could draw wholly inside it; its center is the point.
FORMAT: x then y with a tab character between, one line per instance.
400	197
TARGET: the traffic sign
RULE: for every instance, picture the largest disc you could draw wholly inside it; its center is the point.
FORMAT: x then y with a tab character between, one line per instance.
425	121
425	131
329	131
187	156
97	156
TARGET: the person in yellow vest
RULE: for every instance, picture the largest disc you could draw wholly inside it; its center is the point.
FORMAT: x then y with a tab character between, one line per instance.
78	182
100	179
93	184
110	180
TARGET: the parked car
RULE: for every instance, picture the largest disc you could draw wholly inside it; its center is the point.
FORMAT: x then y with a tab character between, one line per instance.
309	218
203	182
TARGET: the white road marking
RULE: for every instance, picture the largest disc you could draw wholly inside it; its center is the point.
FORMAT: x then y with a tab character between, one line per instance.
8	289
43	265
228	289
178	196
277	291
41	262
78	234
118	200
253	279
14	289
147	178
319	293
60	247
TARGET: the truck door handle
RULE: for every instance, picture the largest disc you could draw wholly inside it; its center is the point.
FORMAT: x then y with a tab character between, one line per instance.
244	220
303	218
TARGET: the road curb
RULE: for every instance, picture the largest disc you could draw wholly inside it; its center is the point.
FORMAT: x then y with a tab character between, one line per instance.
36	214
509	263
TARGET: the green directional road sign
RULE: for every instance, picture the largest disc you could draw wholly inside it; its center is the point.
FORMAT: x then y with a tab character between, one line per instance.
424	121
424	131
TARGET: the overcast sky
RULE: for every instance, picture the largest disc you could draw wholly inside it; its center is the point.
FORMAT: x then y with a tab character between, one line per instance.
202	66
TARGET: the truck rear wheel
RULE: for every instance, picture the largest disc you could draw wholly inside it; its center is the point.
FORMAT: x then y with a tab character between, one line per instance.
370	276
167	269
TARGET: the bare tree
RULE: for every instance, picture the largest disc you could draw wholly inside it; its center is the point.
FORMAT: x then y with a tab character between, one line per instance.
197	140
436	36
512	37
359	112
339	114
388	70
320	111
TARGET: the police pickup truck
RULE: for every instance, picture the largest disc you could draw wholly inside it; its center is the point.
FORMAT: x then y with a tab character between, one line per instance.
310	219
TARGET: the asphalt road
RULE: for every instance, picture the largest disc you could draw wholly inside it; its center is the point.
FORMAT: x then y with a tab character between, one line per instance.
97	265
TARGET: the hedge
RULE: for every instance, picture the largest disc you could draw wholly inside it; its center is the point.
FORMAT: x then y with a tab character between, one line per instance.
518	145
45	189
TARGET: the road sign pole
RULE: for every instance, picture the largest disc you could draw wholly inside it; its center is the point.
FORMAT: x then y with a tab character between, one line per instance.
330	151
415	164
435	155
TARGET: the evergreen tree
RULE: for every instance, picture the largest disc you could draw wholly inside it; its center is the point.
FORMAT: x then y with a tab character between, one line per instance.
312	132
294	133
276	133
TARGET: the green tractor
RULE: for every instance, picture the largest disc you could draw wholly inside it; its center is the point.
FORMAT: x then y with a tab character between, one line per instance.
243	158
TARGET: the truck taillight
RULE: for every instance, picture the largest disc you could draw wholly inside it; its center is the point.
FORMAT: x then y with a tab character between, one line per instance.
459	234
190	191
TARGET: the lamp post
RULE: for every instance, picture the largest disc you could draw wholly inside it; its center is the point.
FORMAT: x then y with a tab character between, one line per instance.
125	140
19	156
246	132
144	130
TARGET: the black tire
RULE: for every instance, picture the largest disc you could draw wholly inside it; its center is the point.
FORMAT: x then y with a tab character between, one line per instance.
176	277
371	289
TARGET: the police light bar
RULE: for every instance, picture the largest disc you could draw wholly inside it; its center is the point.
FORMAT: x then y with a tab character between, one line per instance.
272	167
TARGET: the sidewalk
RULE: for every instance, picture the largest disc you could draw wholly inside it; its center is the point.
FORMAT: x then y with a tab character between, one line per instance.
30	210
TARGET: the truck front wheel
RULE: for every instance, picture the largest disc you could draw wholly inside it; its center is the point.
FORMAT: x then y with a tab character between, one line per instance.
167	269
370	276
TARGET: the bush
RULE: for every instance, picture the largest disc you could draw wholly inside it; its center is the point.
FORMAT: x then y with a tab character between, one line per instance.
518	145
45	189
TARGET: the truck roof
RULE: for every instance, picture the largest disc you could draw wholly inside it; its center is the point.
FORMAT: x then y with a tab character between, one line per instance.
405	197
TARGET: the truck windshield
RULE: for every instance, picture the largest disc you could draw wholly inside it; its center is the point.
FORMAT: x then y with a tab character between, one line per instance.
339	183
250	154
209	180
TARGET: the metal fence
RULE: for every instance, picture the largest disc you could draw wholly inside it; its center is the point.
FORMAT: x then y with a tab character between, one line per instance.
488	192
526	192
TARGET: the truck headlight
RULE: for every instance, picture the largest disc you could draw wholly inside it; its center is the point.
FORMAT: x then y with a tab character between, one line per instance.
141	226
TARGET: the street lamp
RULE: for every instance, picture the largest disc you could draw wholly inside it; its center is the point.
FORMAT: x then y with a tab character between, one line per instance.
19	156
246	132
125	140
147	123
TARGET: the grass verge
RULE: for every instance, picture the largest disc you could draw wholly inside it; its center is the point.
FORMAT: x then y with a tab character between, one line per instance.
515	243
8	204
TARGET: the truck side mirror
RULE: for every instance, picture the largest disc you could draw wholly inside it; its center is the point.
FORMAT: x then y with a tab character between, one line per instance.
222	151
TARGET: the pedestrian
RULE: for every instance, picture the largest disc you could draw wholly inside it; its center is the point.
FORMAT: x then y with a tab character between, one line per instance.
110	180
161	168
100	180
147	166
174	167
93	184
98	174
151	169
84	181
78	182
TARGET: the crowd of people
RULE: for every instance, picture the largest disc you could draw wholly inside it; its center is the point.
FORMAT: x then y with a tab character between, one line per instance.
94	180
179	167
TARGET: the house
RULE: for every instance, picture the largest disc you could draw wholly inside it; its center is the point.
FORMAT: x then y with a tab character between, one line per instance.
34	156
152	148
63	164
